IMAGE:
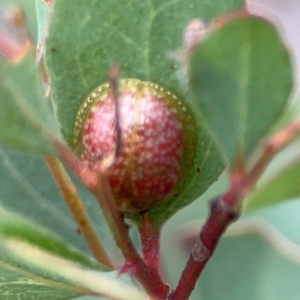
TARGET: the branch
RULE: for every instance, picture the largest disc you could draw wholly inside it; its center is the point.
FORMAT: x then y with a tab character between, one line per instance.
224	210
149	236
77	209
97	182
221	216
148	277
276	143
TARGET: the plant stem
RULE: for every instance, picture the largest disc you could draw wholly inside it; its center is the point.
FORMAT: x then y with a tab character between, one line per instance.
274	145
221	216
97	182
148	277
224	210
77	209
149	236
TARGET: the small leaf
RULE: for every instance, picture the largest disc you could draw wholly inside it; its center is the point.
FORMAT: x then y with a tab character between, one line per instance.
26	117
28	280
241	77
284	185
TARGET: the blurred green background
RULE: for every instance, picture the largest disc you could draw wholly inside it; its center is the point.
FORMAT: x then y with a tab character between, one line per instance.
260	264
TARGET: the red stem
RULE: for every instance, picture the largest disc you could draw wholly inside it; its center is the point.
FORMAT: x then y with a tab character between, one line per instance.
149	236
148	277
224	210
97	183
221	216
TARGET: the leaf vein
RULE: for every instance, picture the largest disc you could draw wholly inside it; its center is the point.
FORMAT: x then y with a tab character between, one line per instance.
243	99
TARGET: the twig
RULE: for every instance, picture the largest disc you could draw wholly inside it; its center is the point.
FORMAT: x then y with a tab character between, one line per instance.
149	236
224	210
77	209
275	144
97	182
220	218
148	277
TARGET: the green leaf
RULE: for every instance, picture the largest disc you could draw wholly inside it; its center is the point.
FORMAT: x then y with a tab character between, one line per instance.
35	264
87	38
86	281
29	281
207	167
241	77
13	226
26	117
27	188
281	187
